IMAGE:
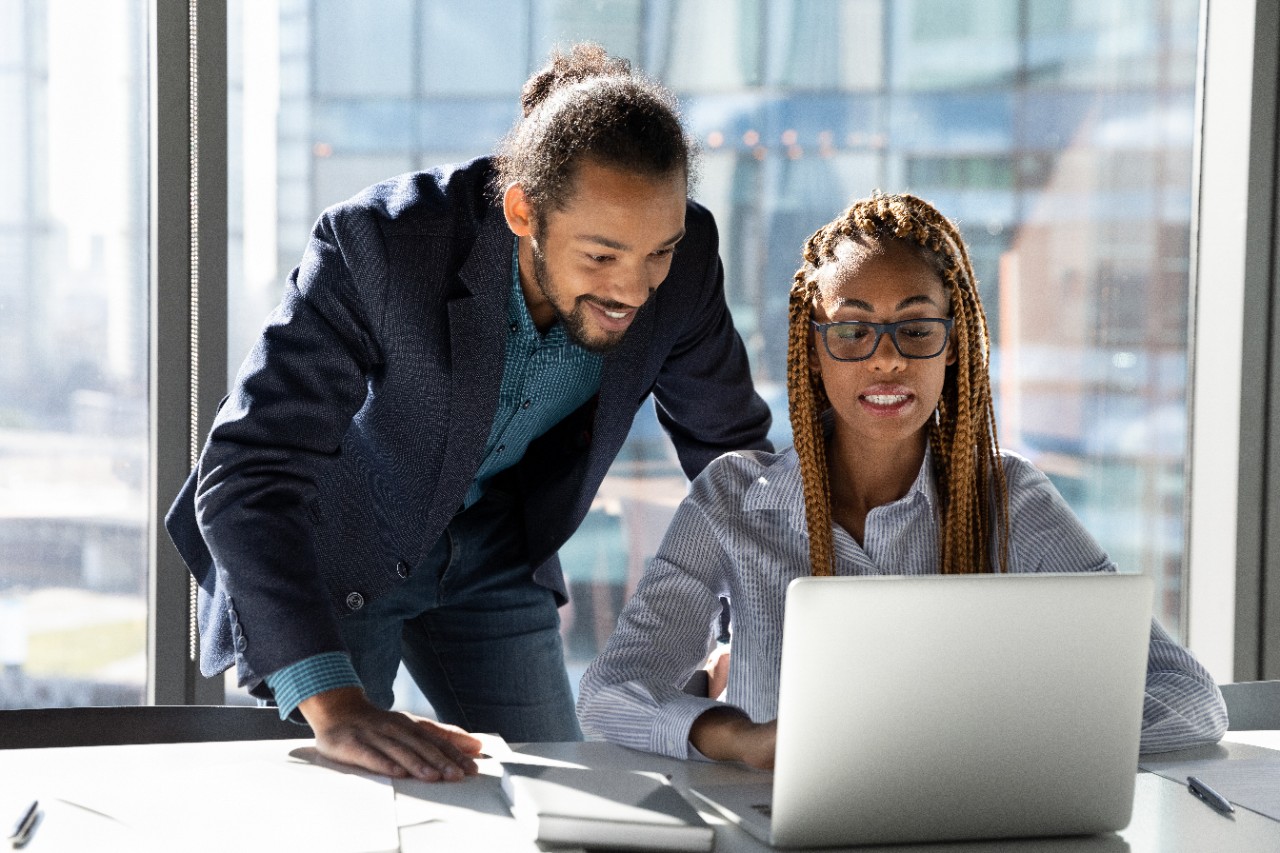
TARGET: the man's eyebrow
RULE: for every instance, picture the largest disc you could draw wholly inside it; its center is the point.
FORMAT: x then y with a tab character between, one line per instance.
610	243
919	299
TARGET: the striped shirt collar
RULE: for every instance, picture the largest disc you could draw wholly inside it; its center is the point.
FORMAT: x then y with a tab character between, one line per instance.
780	487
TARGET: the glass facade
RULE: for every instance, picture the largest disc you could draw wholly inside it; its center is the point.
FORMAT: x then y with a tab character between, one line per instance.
1059	133
73	353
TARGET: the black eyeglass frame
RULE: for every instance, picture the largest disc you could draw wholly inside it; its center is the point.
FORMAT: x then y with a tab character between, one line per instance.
882	329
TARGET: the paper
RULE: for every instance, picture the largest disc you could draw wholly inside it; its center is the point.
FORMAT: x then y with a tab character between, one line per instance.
470	815
210	796
1248	776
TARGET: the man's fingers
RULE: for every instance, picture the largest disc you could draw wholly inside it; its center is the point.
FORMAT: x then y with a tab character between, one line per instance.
431	745
351	747
391	753
396	744
420	758
466	743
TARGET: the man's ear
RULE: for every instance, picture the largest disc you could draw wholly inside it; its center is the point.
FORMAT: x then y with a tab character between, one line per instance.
518	210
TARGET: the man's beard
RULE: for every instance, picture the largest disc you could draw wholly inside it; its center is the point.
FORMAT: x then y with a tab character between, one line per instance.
575	322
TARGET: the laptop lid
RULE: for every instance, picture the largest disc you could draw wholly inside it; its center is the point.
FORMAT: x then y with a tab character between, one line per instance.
957	707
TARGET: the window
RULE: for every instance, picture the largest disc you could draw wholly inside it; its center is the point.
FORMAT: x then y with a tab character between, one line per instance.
73	353
1059	134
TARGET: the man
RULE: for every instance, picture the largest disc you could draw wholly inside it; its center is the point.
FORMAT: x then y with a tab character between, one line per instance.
428	413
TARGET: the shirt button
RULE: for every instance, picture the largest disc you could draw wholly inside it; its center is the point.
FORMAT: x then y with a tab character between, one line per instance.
501	447
355	601
515	327
526	404
402	569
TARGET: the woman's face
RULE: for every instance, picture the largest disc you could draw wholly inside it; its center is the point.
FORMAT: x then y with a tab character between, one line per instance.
886	397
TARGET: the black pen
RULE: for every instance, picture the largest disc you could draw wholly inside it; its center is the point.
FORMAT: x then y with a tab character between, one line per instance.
1210	796
25	825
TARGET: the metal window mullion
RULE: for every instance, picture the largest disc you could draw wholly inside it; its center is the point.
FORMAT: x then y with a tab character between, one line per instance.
1233	492
1258	612
188	252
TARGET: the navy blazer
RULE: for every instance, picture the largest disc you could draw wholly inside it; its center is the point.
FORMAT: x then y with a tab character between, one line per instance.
359	419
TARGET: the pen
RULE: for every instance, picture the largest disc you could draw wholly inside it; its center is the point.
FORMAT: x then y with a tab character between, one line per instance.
25	825
1210	796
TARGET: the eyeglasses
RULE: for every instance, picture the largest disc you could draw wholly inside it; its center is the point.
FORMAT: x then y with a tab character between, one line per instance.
856	341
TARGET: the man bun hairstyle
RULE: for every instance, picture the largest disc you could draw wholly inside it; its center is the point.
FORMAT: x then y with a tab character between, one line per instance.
582	105
974	497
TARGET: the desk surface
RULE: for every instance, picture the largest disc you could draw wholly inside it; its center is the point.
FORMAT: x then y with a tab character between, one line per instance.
273	795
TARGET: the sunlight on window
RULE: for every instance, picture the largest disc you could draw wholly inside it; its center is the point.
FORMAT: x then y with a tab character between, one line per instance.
73	365
1060	135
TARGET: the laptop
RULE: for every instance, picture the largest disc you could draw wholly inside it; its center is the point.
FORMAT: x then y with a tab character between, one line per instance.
952	707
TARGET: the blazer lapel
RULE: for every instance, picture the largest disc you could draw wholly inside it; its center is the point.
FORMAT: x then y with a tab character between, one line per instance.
477	318
623	381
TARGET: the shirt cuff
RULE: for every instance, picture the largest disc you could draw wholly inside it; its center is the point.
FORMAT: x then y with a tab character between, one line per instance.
309	676
671	725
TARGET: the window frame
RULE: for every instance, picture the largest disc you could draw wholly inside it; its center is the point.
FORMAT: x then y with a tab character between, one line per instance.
188	305
1233	509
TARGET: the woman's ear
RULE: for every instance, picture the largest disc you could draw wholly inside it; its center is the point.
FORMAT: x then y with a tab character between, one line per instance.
518	211
952	356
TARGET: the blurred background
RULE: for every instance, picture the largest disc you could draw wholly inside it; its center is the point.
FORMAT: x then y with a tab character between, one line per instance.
1058	133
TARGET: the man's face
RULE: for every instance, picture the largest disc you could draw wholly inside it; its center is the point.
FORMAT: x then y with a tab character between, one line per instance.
592	264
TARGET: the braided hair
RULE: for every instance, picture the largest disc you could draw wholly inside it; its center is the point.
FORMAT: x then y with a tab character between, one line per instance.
962	433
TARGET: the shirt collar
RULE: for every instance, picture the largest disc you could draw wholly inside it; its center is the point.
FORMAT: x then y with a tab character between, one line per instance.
780	487
518	311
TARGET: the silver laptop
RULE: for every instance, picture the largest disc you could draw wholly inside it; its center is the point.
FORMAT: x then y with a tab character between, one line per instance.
955	707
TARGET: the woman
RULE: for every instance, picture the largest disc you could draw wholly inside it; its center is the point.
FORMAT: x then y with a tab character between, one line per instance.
895	470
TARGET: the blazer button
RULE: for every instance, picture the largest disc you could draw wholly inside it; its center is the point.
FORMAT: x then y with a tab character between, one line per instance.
355	601
241	643
403	569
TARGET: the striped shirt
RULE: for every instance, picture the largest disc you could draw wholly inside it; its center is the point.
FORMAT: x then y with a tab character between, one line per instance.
741	534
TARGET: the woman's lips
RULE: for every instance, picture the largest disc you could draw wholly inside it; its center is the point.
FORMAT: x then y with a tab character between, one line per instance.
885	401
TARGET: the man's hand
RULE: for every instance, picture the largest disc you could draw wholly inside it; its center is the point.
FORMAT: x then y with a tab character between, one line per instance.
725	734
352	730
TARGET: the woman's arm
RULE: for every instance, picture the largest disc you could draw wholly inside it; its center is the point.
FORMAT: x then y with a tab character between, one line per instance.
727	734
1183	706
632	694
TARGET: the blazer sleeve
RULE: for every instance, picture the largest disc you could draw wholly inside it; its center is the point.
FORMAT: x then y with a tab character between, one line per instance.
703	395
292	403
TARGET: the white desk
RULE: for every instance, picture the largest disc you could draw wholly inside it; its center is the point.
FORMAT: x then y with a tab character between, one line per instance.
268	795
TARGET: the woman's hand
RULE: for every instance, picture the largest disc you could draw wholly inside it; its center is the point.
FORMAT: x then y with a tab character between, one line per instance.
726	734
717	667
